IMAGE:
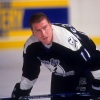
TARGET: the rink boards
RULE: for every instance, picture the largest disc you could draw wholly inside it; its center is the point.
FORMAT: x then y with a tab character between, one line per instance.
15	18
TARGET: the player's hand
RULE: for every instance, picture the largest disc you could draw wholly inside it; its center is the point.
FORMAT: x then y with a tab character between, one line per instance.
17	93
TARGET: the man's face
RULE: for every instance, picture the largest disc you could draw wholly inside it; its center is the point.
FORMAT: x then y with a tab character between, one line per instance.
43	31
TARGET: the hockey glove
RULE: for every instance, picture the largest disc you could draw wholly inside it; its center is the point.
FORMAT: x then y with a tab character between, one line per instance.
96	89
18	93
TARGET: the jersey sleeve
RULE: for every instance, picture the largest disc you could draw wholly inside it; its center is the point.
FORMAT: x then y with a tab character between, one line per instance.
81	36
31	64
87	44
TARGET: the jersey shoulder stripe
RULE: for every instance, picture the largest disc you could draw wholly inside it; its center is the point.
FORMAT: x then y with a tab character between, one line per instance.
30	40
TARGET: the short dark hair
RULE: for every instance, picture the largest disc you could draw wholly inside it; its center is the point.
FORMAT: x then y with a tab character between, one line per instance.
37	17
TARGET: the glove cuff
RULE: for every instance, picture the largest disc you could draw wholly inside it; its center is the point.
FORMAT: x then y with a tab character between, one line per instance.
96	88
96	84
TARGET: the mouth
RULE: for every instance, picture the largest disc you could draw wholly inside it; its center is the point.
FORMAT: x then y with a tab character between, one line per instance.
45	38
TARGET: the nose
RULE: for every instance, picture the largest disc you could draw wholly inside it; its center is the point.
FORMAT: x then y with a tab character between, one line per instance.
43	33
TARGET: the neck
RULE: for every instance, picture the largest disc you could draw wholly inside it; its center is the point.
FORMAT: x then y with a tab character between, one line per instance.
47	46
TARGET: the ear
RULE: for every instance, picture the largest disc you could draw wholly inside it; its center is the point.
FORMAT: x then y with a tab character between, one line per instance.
32	32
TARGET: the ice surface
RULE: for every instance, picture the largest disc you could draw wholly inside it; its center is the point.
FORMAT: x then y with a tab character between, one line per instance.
10	73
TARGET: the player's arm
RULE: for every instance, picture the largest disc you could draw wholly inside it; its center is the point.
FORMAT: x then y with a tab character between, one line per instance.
96	82
23	88
96	85
31	70
81	36
94	63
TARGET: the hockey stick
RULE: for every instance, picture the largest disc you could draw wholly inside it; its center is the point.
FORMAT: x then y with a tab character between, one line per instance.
51	95
56	95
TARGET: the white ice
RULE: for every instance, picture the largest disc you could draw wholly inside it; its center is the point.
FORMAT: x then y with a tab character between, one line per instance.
10	73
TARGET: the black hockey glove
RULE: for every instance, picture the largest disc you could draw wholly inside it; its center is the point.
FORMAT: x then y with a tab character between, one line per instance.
18	93
96	90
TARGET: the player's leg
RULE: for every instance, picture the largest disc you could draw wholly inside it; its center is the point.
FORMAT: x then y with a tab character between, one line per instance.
85	84
61	84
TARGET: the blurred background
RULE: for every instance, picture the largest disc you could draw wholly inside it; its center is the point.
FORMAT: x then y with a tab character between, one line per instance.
84	15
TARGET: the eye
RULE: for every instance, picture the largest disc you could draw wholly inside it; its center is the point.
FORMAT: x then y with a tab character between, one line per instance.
44	27
37	31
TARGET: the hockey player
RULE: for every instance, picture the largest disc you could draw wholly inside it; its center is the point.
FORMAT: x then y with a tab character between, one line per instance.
69	54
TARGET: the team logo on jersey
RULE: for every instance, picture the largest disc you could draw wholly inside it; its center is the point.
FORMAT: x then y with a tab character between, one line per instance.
72	42
54	66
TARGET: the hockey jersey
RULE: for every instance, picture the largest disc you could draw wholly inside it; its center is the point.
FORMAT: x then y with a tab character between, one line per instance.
70	53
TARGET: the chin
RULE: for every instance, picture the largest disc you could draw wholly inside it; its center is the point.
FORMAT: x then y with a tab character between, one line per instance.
47	43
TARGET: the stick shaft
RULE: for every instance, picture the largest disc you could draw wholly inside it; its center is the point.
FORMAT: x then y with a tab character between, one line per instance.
52	95
55	95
